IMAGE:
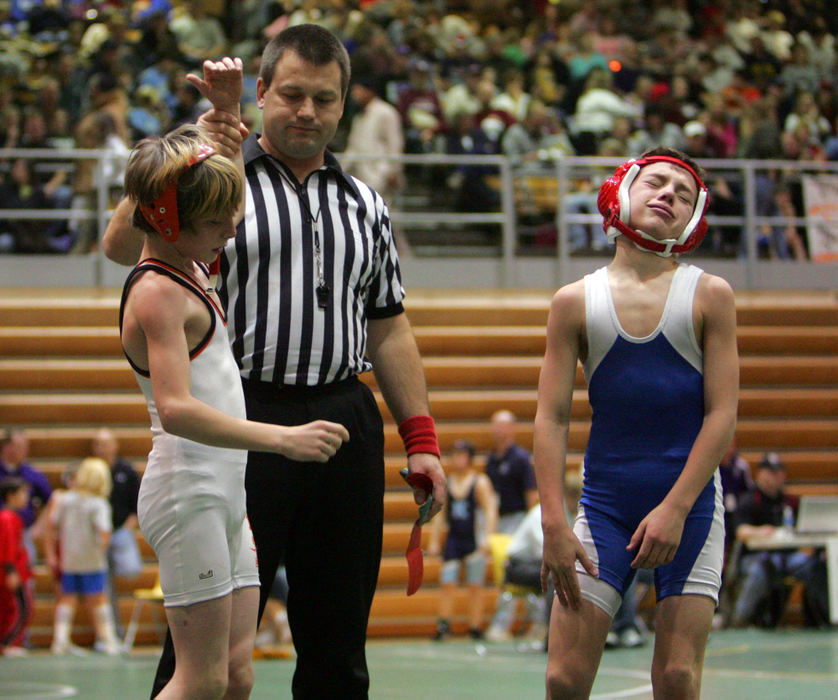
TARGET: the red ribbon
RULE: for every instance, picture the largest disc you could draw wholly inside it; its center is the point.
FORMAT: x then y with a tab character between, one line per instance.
415	562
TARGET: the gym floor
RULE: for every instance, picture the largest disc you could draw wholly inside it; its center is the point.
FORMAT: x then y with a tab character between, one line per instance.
742	664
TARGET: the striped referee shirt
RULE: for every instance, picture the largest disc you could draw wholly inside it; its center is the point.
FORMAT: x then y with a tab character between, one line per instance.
269	275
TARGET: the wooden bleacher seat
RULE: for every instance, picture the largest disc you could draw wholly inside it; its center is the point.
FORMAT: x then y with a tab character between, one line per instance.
62	376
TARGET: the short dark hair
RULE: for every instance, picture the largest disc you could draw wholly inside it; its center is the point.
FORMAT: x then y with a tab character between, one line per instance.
312	43
7	435
680	155
464	446
10	485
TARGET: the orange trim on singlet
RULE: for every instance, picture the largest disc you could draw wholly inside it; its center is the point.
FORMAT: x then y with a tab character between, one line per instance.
181	273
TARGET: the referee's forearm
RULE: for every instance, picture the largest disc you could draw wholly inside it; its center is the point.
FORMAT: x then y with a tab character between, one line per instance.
398	367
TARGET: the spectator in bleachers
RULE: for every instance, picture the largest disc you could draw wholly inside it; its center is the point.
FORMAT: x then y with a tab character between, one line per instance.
200	35
81	528
722	133
611	41
96	130
695	136
759	131
683	103
742	25
703	57
14	452
548	78
420	108
584	58
582	199
656	130
736	478
111	24
187	104
123	555
20	189
148	114
462	96
763	510
799	73
597	107
509	467
821	46
468	182
672	14
538	141
158	41
71	76
713	77
777	39
493	120
761	66
784	241
806	112
33	131
470	498
376	129
15	574
513	99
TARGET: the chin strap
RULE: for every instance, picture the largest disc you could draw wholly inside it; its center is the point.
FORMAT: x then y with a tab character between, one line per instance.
664	248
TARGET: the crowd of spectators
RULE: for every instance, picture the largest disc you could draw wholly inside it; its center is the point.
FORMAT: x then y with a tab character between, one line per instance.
738	79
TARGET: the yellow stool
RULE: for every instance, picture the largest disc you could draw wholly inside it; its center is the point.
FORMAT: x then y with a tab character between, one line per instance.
141	597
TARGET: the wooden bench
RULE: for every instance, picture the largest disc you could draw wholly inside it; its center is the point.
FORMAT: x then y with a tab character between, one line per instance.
62	376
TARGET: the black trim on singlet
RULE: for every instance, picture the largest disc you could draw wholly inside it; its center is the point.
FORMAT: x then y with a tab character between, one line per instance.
185	281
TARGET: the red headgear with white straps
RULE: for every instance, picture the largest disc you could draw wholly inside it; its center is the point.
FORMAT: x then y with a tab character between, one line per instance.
161	212
613	204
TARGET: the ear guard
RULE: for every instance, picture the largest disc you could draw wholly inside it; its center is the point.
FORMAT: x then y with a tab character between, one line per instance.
161	212
613	204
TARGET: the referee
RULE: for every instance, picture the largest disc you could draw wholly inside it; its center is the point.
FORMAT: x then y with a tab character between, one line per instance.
313	294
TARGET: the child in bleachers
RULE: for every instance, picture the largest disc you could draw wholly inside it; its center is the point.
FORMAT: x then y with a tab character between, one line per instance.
470	496
82	521
15	596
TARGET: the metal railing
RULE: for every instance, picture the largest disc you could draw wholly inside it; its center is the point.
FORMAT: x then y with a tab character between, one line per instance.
563	171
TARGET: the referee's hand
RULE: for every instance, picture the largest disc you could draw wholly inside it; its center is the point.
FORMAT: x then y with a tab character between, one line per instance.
428	464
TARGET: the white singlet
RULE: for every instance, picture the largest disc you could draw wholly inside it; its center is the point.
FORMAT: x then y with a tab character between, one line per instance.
191	506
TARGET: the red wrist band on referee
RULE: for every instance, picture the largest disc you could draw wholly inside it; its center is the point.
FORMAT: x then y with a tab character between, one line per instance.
419	435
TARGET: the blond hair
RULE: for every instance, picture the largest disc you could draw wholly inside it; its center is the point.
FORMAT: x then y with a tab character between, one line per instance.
209	189
93	477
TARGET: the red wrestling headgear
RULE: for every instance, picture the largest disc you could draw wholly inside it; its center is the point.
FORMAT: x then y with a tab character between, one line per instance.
613	204
161	212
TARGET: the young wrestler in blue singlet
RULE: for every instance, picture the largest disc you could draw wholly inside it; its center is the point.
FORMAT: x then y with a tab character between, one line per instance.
657	342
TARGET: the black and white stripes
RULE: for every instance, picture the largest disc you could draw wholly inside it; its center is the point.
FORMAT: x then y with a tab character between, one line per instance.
269	276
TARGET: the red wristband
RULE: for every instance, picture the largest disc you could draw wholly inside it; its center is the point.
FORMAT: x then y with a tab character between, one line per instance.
419	435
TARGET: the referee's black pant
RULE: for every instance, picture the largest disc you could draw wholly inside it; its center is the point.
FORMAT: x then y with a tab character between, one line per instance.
324	521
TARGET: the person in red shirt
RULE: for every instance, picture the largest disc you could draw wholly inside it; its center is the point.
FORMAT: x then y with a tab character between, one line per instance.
15	598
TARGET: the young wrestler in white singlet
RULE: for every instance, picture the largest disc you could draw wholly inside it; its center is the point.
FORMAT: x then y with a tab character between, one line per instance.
192	499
